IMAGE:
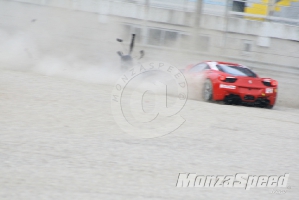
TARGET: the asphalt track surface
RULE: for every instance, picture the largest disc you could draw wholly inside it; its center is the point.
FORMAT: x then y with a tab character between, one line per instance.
59	140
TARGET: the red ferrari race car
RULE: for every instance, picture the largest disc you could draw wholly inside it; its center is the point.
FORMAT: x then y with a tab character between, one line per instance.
232	83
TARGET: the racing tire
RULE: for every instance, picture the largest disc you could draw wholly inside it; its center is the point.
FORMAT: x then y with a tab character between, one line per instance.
270	106
207	93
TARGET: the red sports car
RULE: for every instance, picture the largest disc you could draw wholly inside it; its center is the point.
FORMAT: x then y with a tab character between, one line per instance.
232	83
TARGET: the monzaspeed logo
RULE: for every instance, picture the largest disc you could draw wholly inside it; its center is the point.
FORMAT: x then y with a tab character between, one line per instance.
239	180
129	94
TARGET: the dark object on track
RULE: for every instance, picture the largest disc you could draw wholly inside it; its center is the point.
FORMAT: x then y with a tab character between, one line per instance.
127	61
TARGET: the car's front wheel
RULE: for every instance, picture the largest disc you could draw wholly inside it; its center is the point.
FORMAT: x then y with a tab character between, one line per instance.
207	91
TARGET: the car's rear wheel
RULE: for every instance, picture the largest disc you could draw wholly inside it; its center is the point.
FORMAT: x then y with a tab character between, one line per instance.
270	106
207	91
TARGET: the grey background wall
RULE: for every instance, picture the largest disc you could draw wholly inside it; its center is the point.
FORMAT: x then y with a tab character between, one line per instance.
87	30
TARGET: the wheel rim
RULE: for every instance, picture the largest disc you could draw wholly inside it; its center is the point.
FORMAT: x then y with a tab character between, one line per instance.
207	91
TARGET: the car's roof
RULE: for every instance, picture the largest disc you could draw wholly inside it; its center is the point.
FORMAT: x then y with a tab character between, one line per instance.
225	63
213	64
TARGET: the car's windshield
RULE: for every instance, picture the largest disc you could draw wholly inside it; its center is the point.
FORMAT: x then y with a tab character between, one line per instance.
236	70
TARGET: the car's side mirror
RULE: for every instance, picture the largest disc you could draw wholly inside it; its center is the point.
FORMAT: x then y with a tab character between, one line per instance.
119	40
120	53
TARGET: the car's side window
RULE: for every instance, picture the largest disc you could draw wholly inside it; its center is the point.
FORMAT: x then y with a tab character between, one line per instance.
198	68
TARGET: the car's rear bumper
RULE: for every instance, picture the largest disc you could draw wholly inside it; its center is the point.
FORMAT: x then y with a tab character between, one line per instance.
237	94
258	101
